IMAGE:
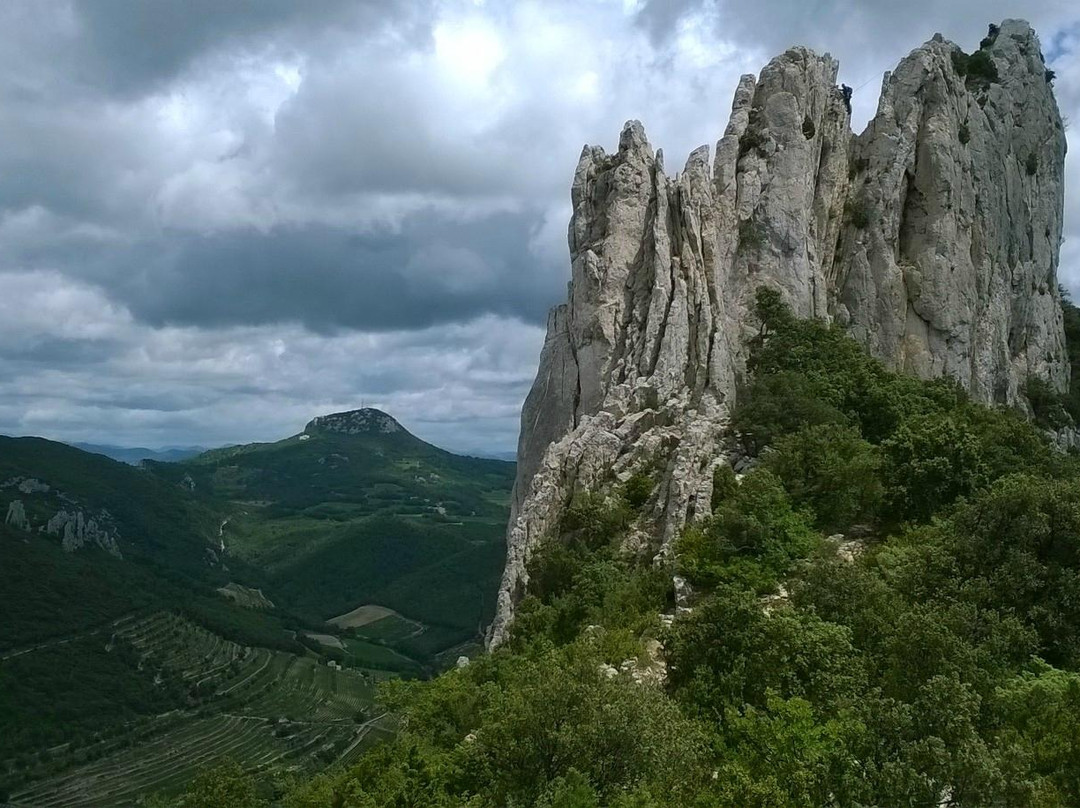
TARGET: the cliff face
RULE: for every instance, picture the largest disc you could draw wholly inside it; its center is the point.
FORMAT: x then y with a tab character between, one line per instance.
961	180
933	236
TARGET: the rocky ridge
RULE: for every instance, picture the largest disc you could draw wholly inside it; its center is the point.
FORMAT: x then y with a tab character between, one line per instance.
933	237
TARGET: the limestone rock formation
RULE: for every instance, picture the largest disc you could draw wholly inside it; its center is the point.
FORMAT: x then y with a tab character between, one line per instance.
959	183
354	422
76	530
16	516
933	236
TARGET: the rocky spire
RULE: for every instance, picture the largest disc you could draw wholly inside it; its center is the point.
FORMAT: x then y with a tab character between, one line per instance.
933	236
949	264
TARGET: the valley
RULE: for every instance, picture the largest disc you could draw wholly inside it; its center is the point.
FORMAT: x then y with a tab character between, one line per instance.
355	511
241	605
266	710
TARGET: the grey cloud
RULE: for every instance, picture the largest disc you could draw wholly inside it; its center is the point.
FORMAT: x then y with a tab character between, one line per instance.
218	219
426	271
844	27
130	47
454	384
660	18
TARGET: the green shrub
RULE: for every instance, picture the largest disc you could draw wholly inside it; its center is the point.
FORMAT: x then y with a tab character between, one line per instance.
1049	406
751	539
930	462
225	785
831	470
730	654
964	134
857	212
594	520
960	62
571	590
808	128
778	404
1019	544
751	235
1031	164
981	70
637	490
724	485
978	70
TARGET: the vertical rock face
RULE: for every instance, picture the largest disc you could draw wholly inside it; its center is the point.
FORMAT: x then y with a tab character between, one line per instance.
958	186
933	236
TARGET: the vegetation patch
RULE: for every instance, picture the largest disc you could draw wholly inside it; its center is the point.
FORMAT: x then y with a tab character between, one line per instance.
977	69
751	235
857	212
753	140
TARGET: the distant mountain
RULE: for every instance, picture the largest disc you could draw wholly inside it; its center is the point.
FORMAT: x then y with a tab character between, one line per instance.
508	456
135	455
356	511
202	590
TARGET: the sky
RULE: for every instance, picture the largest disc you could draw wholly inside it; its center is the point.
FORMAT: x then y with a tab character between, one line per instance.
220	218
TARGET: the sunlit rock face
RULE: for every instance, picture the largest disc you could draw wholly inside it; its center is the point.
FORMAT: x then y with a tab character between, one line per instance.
933	236
960	179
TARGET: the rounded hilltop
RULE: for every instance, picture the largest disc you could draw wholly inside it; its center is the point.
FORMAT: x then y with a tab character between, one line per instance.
355	422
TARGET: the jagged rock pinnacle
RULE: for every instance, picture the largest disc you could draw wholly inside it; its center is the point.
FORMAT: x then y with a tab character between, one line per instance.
933	236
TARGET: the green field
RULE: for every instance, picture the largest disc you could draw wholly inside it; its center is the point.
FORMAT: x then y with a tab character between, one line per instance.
264	709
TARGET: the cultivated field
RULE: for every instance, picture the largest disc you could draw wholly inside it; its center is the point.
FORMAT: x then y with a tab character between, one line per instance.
264	709
361	616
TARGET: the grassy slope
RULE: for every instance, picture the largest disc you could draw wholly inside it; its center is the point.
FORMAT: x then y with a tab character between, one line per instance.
400	522
187	698
57	606
159	525
336	521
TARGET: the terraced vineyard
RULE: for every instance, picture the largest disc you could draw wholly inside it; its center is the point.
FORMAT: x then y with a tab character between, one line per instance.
265	709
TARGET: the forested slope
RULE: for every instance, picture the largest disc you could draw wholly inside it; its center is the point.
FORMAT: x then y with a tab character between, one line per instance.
881	610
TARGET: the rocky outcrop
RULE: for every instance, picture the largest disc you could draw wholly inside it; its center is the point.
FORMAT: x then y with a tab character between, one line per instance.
76	530
951	268
933	236
26	485
16	516
1066	440
354	422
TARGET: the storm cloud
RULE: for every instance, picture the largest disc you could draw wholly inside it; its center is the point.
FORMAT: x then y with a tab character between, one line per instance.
218	219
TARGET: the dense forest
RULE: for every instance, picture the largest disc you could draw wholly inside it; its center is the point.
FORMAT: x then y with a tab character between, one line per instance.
883	612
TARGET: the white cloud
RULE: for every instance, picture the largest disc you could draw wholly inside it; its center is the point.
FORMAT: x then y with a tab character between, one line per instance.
458	385
440	138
